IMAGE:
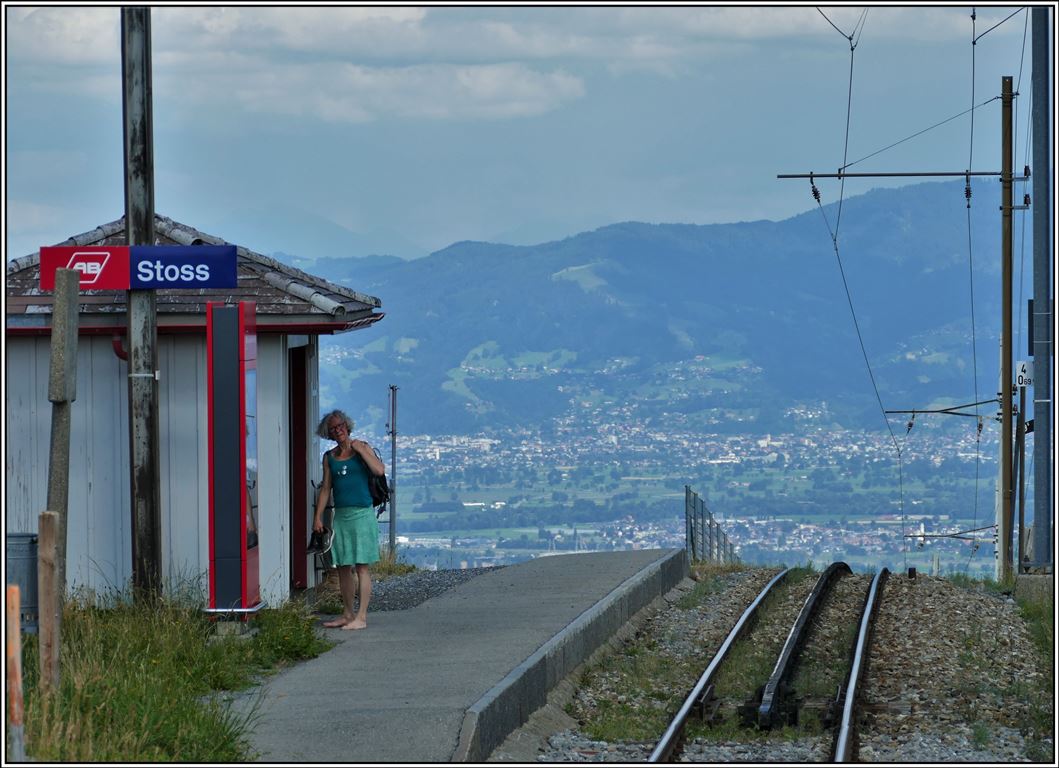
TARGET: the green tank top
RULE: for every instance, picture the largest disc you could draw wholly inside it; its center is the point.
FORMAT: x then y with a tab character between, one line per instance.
349	481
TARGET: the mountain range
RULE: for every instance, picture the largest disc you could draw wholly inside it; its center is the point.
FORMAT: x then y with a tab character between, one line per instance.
720	327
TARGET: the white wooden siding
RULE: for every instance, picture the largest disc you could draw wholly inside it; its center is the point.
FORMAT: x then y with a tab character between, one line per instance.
98	550
273	477
99	525
183	454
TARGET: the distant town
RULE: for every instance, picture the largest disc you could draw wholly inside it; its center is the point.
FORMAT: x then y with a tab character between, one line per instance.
601	480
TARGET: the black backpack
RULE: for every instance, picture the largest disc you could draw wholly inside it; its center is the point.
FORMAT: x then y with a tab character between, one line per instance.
378	486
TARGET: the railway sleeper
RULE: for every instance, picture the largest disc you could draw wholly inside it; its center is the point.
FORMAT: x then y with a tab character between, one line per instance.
784	713
833	710
707	707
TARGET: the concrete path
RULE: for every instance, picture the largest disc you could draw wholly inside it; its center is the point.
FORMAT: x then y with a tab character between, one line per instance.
476	661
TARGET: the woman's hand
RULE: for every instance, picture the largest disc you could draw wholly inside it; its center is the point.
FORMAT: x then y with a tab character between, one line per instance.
366	453
318	524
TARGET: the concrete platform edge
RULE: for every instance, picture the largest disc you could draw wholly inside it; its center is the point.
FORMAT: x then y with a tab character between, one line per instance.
509	703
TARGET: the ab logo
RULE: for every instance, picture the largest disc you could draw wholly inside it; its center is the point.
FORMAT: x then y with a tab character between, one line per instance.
90	264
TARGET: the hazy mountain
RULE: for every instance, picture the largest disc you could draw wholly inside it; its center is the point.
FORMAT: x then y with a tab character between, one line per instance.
301	235
705	324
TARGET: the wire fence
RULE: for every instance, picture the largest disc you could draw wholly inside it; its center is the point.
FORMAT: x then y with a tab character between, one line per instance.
703	536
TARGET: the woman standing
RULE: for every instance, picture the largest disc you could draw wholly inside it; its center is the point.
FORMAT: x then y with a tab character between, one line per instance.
356	534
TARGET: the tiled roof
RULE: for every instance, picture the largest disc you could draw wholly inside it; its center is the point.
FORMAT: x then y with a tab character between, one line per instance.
285	296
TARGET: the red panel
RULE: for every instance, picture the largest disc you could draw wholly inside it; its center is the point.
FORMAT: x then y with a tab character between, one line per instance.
102	267
251	589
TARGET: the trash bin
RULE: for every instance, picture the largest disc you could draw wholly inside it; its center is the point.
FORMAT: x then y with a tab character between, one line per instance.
22	570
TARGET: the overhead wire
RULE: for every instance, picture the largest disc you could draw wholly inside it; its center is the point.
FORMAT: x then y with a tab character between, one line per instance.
1025	154
970	275
1026	148
1013	13
858	29
918	133
970	251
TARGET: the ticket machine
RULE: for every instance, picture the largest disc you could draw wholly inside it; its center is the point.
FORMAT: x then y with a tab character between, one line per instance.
231	372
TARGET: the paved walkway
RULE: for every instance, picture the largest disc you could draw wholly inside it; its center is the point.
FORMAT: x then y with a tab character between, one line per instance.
401	691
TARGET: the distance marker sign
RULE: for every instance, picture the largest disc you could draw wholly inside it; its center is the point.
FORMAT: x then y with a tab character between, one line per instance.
142	267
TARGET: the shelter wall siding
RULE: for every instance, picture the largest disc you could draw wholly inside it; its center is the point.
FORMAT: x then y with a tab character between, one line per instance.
273	479
183	409
26	440
98	544
100	446
99	549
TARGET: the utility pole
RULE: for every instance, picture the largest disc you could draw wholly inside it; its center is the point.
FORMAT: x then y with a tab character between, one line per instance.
140	304
1005	524
1004	506
393	470
1043	461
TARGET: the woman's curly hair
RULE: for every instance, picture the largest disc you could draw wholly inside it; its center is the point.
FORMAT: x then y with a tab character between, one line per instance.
321	428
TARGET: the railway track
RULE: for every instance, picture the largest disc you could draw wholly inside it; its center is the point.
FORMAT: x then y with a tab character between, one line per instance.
814	642
955	675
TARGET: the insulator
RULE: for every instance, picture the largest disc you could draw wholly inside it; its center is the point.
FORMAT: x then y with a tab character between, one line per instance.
1026	171
1026	199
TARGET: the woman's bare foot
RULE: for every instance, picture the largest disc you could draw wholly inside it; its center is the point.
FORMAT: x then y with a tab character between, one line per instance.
356	624
339	622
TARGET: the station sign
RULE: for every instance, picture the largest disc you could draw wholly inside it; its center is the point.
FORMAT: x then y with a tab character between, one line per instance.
142	267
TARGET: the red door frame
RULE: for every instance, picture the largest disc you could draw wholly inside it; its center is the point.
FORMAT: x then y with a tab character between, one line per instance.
299	452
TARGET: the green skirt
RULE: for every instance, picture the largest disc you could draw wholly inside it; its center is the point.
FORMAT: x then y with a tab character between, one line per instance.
356	536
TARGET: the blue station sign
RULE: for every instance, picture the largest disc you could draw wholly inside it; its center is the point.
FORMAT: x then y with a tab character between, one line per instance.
142	267
182	266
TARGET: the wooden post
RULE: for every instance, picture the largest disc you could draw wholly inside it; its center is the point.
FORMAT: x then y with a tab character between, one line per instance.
144	474
62	390
50	623
1004	571
14	675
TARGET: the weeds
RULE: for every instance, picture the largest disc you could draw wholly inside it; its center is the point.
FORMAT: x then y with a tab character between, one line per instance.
136	679
708	581
389	564
980	735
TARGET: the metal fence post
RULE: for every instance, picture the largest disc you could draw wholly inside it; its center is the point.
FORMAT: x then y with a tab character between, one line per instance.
689	536
704	516
697	505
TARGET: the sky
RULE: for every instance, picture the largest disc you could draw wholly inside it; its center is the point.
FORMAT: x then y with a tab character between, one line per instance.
343	130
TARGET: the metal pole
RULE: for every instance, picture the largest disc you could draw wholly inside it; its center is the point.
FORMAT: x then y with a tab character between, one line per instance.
1006	201
393	470
1043	461
689	543
142	321
897	174
1020	462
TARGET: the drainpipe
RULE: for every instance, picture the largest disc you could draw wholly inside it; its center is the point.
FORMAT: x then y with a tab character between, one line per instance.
119	350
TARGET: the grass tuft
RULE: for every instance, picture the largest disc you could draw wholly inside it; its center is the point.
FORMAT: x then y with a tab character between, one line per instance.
136	679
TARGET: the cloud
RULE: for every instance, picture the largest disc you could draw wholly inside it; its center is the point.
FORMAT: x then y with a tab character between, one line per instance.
356	31
354	94
64	35
356	64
